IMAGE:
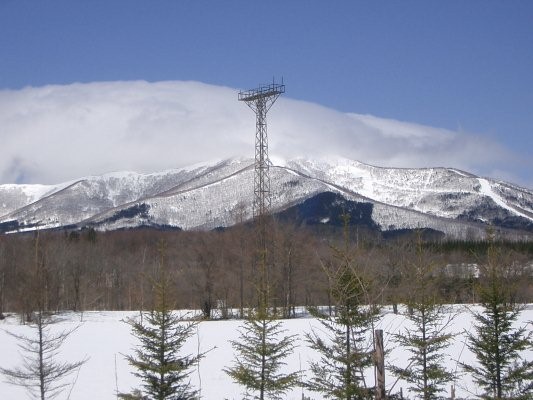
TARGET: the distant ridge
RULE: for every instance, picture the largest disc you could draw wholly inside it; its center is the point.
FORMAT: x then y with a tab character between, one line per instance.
219	194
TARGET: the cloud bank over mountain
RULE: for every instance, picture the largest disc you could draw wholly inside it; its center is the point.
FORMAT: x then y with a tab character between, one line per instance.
57	133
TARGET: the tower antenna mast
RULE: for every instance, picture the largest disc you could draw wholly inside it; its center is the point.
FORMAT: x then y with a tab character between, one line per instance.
260	100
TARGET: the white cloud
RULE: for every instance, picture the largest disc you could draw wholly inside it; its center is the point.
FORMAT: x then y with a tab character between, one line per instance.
57	133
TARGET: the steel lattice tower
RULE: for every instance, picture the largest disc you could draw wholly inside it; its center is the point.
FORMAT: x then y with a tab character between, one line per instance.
260	100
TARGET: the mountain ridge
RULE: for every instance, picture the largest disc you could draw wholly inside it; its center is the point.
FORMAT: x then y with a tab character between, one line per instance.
209	195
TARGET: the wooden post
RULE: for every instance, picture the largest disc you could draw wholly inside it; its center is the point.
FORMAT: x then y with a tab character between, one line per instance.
380	365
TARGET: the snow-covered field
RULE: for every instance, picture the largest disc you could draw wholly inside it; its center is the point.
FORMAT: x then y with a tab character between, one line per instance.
105	338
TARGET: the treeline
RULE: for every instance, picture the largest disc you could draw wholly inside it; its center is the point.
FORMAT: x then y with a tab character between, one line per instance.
216	271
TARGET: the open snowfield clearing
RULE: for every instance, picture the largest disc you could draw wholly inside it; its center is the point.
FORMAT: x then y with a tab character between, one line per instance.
104	338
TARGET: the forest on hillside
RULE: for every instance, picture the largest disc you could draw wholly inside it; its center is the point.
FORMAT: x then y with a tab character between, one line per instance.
216	271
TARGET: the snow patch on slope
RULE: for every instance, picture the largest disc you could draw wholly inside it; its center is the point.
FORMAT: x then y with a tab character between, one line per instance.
486	189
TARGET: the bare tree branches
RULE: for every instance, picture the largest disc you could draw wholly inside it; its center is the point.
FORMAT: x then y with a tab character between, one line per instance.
41	373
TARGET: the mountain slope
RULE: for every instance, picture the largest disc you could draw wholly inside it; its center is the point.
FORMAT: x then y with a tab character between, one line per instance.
220	194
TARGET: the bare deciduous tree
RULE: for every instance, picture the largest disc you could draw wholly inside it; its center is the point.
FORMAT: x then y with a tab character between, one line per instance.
41	373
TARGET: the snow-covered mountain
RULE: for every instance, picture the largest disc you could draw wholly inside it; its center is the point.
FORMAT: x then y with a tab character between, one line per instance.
219	194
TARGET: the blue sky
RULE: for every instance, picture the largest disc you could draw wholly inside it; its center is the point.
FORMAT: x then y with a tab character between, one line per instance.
464	66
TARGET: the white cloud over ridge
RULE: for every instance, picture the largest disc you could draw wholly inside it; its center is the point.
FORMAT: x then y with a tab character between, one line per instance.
58	133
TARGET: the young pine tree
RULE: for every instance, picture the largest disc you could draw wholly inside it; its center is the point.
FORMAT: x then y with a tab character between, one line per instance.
262	348
501	371
157	360
427	338
346	349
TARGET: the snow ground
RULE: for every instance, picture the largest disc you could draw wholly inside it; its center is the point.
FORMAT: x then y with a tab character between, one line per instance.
105	338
